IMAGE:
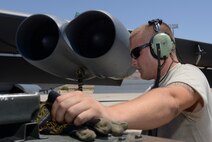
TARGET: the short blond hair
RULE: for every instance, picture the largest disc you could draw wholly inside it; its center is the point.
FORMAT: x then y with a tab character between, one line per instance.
147	31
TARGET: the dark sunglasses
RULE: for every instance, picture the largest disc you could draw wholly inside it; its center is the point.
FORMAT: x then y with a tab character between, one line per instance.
135	53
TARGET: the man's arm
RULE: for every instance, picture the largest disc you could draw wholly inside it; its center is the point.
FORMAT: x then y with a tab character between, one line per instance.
156	107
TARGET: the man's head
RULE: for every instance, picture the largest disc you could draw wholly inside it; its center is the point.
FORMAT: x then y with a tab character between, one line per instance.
144	43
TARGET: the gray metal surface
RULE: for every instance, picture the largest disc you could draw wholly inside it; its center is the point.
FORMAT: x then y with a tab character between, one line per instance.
127	137
16	108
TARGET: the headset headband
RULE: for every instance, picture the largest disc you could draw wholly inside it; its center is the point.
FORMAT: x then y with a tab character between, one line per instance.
156	23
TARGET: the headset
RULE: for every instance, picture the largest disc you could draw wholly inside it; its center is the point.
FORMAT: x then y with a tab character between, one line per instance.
161	44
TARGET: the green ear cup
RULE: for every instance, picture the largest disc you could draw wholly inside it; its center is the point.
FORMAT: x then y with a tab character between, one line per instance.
165	43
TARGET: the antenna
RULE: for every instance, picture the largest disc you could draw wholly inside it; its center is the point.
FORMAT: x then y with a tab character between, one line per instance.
173	26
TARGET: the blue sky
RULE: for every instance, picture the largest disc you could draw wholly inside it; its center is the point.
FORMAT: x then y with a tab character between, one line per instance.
194	17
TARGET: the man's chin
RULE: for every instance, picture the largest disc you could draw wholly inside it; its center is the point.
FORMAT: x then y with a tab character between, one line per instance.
144	78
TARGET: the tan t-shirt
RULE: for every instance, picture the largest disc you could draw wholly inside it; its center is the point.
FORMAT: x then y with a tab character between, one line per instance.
190	127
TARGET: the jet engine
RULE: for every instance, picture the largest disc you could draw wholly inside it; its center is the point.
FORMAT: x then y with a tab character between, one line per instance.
94	44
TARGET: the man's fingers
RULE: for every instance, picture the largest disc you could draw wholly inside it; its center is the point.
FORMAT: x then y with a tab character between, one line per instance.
60	105
73	111
74	107
83	117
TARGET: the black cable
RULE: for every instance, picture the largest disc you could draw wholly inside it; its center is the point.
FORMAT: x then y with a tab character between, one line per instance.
167	71
157	80
153	132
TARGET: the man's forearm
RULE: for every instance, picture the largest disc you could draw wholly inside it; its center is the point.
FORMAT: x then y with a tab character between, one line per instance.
152	110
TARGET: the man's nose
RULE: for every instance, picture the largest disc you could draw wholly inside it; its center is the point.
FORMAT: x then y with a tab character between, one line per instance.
134	62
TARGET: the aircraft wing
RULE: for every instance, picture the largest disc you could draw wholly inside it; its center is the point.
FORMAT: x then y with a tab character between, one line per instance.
9	24
93	47
66	57
196	53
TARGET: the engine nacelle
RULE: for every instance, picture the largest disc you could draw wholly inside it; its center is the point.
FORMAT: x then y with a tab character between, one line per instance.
94	44
102	42
40	41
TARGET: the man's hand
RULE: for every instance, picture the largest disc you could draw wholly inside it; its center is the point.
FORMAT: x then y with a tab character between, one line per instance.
76	108
87	131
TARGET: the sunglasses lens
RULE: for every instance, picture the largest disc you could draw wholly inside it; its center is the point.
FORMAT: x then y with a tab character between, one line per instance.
135	53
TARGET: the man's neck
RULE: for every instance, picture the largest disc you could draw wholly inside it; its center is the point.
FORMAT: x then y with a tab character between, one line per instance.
169	64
